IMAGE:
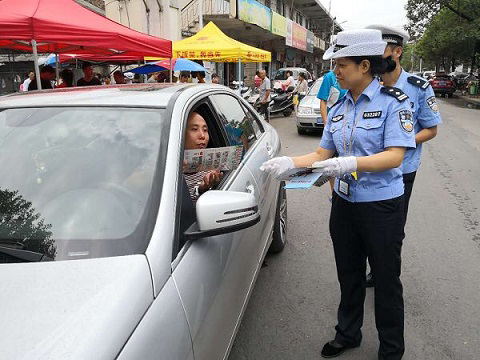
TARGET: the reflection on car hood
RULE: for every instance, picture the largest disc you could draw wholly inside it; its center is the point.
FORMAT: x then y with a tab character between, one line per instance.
310	101
79	309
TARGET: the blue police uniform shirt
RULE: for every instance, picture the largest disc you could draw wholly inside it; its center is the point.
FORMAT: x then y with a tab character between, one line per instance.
329	81
425	115
381	122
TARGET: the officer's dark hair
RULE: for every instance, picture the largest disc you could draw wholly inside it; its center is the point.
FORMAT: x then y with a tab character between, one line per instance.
378	64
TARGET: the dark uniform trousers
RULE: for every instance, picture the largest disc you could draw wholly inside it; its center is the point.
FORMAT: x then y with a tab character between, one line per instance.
373	229
408	180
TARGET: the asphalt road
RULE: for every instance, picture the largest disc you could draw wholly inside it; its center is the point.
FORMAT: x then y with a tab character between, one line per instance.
292	311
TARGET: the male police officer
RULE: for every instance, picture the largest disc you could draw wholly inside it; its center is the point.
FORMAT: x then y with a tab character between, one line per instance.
422	101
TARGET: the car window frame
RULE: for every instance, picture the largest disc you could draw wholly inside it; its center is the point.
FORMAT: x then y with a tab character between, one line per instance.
223	125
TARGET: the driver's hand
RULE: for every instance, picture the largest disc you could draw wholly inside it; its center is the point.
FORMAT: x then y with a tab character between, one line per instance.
211	179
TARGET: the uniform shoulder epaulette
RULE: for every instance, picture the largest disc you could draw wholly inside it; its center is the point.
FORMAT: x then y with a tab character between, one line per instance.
418	82
395	92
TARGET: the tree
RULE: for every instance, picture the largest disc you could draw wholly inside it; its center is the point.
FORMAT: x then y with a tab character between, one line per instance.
420	13
21	226
448	31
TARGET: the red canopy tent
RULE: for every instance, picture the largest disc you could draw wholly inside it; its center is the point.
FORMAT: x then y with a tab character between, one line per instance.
63	26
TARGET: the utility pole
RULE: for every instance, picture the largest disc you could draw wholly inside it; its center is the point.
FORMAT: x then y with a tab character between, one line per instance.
200	14
333	29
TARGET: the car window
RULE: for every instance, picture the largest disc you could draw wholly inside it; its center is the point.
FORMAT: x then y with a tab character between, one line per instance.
81	183
256	124
316	86
238	126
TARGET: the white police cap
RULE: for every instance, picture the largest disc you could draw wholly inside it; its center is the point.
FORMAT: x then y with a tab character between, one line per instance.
391	35
361	42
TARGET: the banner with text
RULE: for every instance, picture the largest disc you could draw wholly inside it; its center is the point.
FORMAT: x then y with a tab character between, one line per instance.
289	37
253	12
310	41
279	24
299	37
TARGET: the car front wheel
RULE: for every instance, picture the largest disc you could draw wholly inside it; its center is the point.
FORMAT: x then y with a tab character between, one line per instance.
280	227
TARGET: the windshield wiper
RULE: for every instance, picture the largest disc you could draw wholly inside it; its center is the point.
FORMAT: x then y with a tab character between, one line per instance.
25	255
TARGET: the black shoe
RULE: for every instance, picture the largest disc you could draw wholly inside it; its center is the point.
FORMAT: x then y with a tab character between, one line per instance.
333	349
370	281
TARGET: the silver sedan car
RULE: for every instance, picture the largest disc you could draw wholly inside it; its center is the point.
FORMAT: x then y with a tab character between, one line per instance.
308	117
103	254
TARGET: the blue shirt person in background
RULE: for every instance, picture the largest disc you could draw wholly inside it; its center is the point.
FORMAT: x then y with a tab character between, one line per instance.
329	93
370	128
422	102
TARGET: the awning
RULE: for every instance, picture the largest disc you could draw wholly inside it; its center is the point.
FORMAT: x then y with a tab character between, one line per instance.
211	44
63	26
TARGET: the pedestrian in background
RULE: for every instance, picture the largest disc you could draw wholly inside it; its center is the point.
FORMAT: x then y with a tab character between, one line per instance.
215	79
88	78
422	102
118	77
370	128
47	75
264	94
257	80
30	76
67	78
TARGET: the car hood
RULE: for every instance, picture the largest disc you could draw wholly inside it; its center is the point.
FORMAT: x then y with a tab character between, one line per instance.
79	309
310	101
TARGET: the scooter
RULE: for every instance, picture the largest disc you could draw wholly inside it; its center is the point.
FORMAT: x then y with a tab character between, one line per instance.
282	102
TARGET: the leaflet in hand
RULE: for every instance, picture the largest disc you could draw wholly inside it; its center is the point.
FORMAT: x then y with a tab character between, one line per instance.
222	158
302	178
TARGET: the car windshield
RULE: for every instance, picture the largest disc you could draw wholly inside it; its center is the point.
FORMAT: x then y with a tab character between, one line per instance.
282	74
77	182
314	89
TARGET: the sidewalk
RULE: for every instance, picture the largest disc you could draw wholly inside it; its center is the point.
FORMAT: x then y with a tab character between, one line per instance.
474	100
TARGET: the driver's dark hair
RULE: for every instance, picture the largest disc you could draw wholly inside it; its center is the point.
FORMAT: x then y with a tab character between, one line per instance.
378	64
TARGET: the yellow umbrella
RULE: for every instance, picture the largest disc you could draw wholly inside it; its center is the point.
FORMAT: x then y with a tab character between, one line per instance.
211	44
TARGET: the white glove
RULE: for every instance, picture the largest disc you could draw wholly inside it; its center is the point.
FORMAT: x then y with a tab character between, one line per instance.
278	165
336	166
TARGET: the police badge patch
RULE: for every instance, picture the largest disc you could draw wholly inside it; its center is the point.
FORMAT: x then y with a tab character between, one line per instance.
406	120
432	103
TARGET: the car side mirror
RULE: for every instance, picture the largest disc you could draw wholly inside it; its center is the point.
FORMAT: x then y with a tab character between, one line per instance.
222	212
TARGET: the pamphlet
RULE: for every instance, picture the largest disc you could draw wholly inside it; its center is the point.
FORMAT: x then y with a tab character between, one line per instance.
222	158
302	178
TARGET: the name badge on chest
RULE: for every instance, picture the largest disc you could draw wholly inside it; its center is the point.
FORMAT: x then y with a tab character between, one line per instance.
372	114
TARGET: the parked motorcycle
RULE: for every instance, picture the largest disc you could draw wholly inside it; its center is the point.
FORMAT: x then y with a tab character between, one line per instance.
282	102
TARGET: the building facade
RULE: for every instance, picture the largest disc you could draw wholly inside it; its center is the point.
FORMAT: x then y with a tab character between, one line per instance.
297	33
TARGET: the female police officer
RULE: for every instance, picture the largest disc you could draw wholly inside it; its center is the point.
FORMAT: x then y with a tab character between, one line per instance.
370	128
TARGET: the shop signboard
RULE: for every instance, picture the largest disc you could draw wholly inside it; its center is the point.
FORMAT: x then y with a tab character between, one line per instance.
310	41
322	44
279	24
289	37
253	12
299	37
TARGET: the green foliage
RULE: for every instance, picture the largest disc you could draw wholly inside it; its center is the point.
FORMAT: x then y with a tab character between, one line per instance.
450	31
22	227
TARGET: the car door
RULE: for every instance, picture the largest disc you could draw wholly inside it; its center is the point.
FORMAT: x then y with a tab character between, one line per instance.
261	145
214	275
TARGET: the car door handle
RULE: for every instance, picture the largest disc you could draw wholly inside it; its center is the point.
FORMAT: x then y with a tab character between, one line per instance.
250	189
269	149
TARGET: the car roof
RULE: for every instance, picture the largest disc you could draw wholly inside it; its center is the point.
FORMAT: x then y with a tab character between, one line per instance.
131	95
292	68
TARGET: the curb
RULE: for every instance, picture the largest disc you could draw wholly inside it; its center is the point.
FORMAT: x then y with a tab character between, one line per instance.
474	101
